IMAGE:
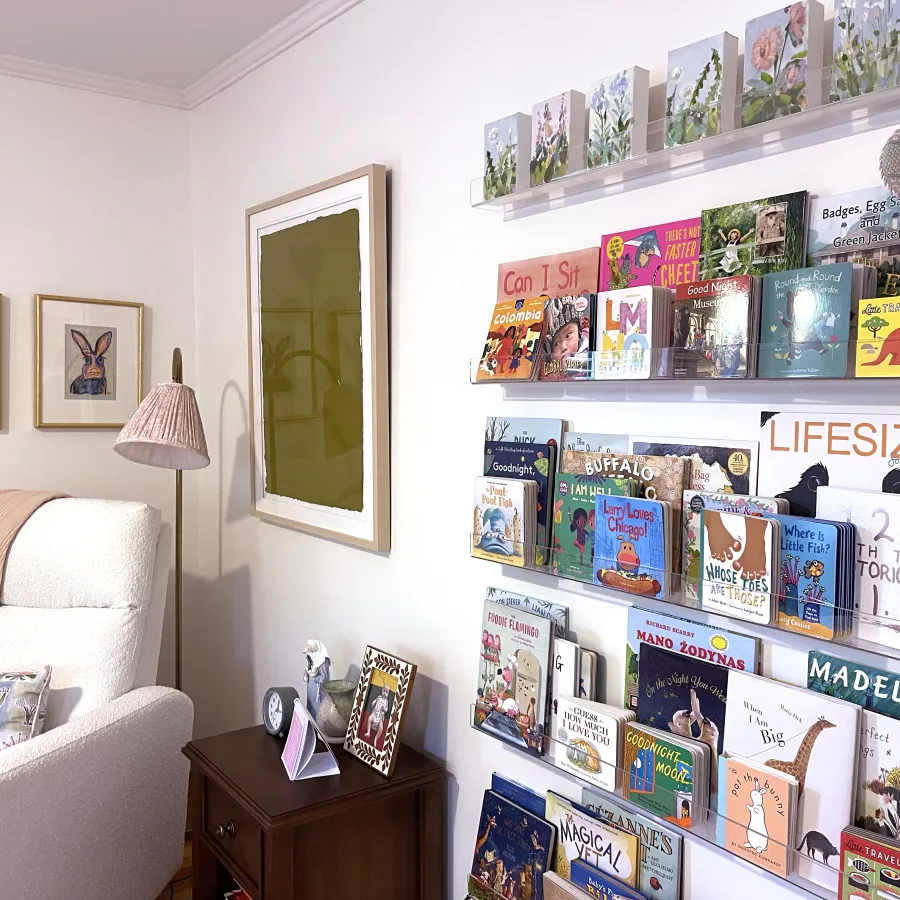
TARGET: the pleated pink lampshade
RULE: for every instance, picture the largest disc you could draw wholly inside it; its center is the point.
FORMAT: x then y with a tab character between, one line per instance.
166	430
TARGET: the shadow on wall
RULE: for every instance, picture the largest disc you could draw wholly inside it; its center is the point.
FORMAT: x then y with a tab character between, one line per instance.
217	618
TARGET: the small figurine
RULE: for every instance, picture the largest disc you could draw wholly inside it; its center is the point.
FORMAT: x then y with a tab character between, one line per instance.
318	667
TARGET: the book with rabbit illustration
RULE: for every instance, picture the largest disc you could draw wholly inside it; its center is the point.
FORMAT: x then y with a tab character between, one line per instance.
632	541
811	737
878	333
573	521
757	813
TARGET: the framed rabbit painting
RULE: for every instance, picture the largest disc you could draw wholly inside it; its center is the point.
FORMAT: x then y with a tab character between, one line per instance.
318	347
88	362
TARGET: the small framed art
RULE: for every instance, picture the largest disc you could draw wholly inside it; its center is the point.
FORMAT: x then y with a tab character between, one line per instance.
379	709
88	362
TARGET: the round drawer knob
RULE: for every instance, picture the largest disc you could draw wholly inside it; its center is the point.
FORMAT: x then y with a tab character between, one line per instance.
225	830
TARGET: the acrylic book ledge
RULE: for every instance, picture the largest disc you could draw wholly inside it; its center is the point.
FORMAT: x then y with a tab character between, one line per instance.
701	830
682	595
726	362
816	125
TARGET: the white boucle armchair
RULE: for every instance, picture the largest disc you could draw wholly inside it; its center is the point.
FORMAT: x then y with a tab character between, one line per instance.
94	807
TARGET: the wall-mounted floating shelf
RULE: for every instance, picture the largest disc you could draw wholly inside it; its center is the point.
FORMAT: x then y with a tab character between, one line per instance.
812	126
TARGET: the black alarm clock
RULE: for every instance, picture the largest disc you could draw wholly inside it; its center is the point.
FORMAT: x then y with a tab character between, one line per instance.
277	709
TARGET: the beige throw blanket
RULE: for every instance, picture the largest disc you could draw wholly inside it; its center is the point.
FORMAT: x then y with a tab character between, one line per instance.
16	508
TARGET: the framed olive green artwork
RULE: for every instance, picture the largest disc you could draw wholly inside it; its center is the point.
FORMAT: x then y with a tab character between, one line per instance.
317	302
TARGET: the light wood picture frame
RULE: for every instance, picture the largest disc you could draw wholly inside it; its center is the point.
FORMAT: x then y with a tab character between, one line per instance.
88	361
318	359
379	709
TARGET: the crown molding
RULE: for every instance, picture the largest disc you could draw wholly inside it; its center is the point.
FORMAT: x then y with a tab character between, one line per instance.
66	76
312	16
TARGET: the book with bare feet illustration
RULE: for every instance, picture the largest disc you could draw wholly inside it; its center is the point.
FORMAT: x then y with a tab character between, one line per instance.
686	697
632	541
815	739
739	563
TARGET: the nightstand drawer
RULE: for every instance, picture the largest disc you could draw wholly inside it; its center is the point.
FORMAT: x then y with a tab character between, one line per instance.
234	831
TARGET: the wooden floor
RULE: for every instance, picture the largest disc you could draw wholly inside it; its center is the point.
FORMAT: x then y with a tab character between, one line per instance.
180	887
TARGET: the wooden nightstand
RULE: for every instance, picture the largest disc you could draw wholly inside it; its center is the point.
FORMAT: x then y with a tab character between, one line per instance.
346	837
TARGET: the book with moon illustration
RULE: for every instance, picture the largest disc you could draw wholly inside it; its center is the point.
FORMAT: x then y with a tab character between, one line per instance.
512	845
692	639
573	521
514	663
554	611
503	527
580	835
739	564
757	815
799	451
686	697
659	873
866	686
811	737
870	866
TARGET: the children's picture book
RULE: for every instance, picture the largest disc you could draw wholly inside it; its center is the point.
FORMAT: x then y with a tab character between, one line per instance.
656	255
511	696
499	523
581	835
805	322
876	586
873	689
528	462
565	672
754	237
878	344
596	443
870	866
506	143
513	340
757	813
691	639
573	522
513	430
594	883
558	614
566	354
513	847
878	785
617	117
864	40
858	227
684	696
713	327
624	334
557	137
729	467
659	872
811	737
517	793
801	451
701	85
561	274
776	48
631	540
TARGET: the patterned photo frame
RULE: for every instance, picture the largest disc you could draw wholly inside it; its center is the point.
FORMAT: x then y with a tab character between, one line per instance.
379	708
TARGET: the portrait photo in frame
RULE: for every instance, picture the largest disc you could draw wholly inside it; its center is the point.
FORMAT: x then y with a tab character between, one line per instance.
318	354
88	362
379	708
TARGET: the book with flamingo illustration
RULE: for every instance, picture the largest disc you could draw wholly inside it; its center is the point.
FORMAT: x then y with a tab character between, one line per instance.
814	739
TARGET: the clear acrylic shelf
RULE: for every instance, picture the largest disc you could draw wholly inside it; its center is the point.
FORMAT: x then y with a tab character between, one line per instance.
683	596
817	125
655	364
817	879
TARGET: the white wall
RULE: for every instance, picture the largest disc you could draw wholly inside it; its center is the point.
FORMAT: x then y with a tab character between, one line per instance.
410	85
94	202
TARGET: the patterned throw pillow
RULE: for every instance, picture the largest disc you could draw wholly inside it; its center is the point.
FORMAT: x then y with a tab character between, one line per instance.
23	704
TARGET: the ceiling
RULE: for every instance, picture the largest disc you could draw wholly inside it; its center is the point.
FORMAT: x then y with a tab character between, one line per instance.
172	47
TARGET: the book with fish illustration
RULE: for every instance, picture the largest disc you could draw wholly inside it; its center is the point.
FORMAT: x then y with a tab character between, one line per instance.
502	526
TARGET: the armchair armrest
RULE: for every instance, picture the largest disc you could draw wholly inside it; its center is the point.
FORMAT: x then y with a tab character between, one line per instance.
96	807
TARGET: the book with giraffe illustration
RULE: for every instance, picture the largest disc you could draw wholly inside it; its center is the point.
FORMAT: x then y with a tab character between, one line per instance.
815	739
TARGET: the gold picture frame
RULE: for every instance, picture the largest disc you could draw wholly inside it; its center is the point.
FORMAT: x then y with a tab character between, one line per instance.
73	331
379	709
318	359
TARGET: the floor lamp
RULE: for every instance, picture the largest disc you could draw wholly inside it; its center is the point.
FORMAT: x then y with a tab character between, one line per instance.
166	431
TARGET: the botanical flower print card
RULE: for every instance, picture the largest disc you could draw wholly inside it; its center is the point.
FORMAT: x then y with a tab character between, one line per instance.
617	125
866	56
777	47
505	154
